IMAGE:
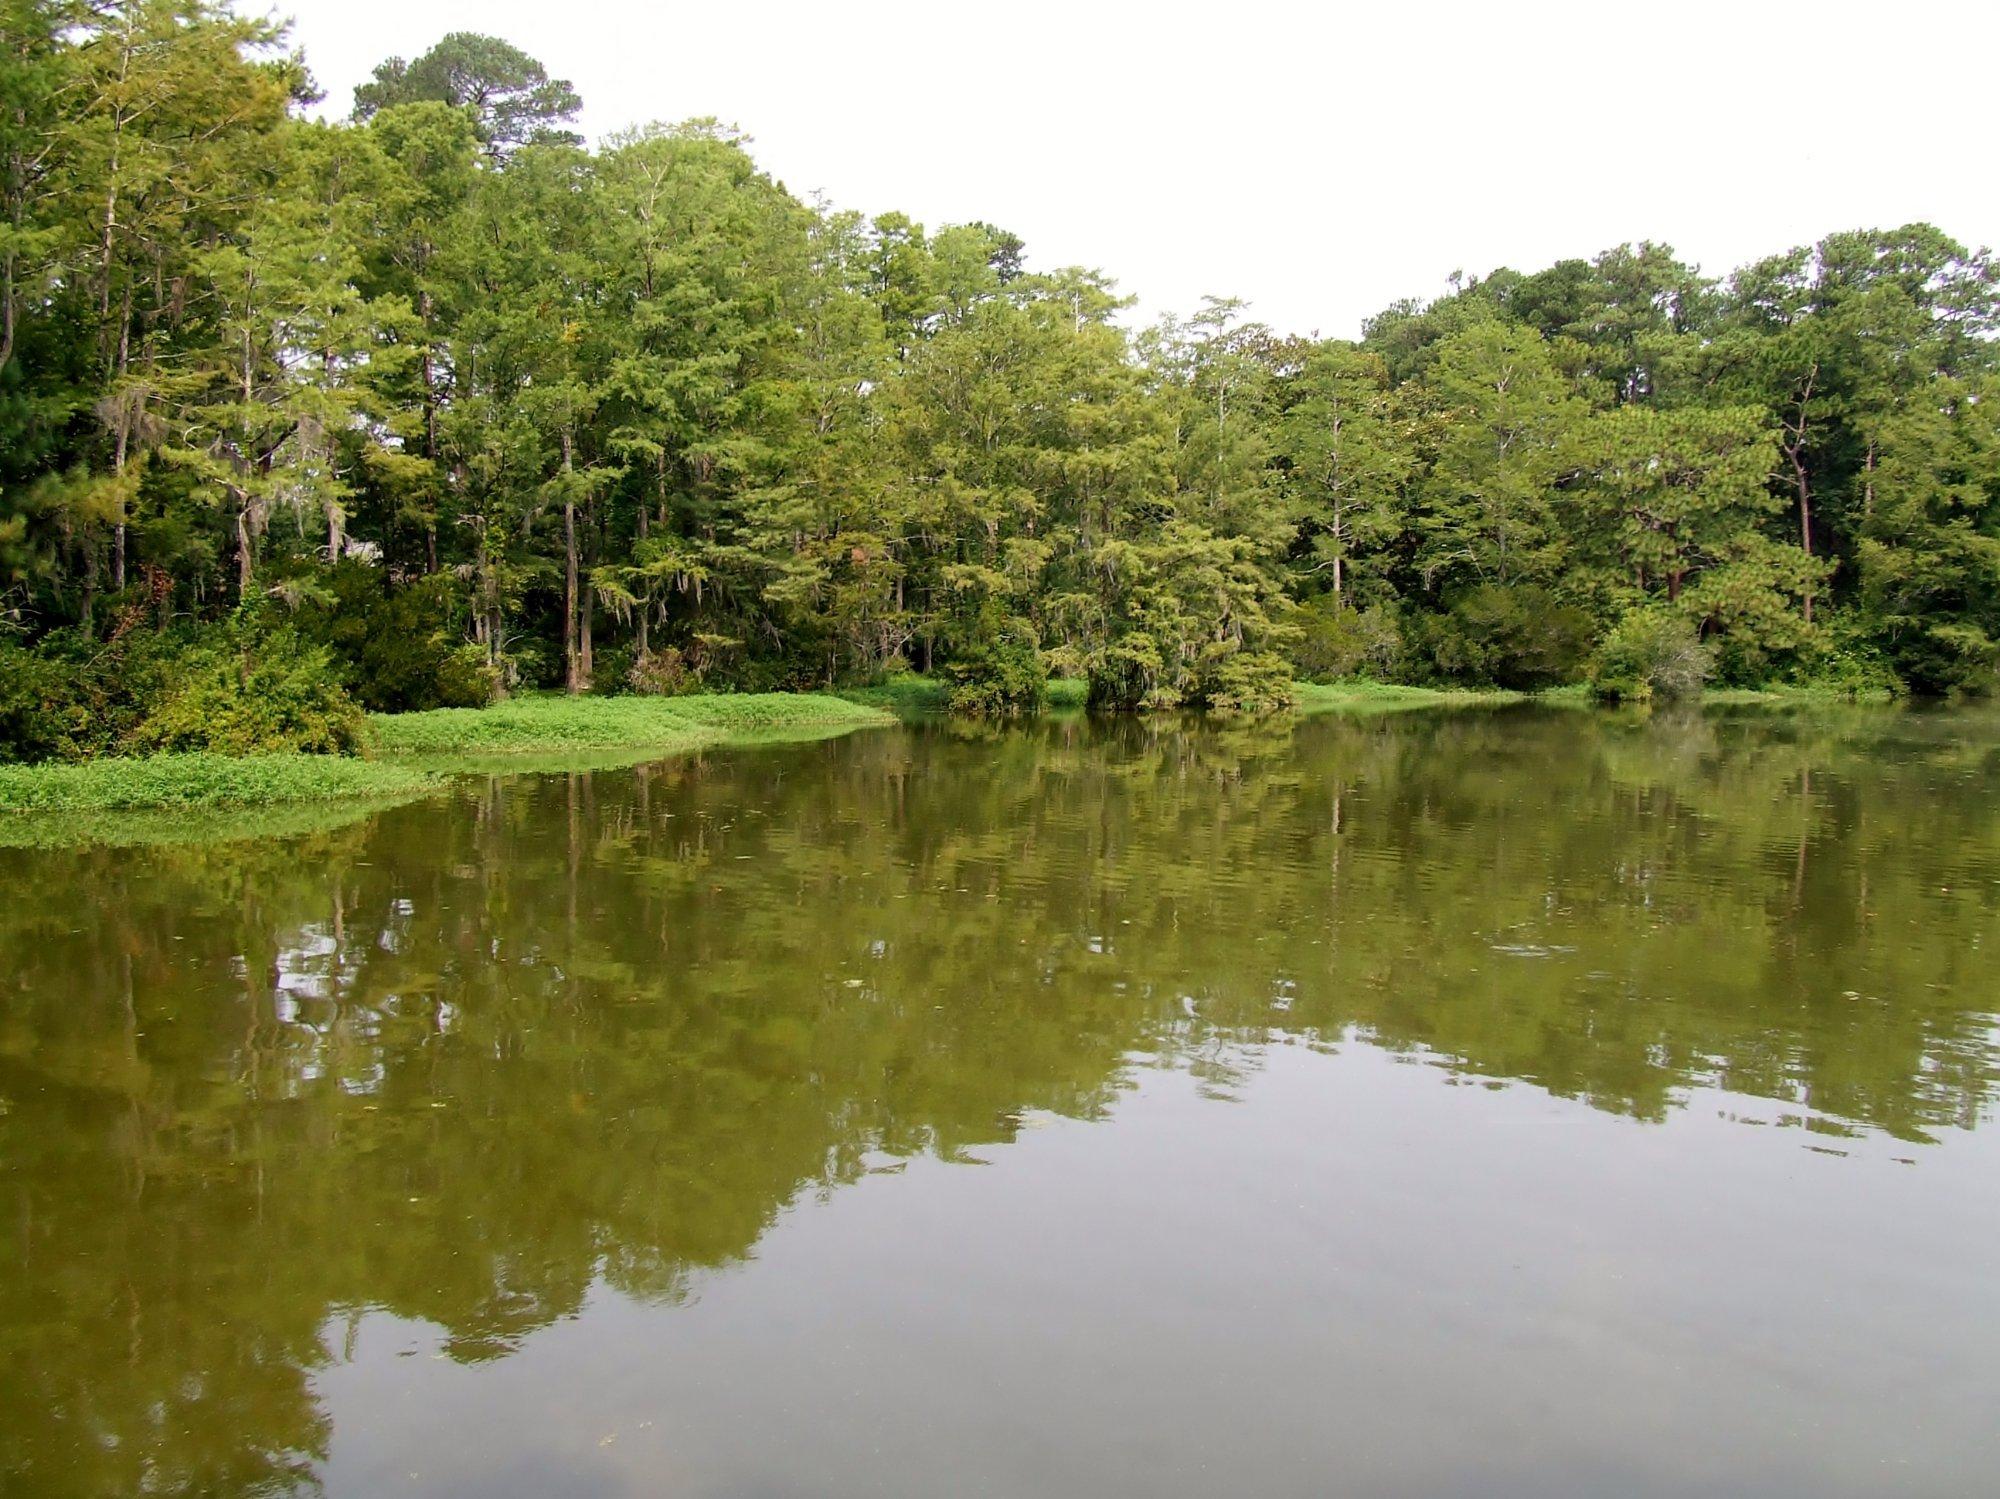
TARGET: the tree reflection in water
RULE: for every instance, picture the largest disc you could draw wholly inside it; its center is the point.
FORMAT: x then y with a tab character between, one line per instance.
465	1059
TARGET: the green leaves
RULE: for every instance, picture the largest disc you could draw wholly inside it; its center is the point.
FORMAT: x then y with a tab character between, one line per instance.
642	397
510	96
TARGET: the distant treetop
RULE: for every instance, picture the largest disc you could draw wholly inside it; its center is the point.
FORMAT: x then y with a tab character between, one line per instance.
511	95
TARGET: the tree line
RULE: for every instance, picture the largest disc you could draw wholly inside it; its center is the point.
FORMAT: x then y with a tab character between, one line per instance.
440	402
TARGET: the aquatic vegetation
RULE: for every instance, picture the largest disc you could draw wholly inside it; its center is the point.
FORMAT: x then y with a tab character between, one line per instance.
552	725
201	781
1390	697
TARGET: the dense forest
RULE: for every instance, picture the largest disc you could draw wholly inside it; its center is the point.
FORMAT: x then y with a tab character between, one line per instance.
439	403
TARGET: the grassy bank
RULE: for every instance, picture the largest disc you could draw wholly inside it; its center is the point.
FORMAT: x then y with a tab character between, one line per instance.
122	800
912	695
1378	697
1787	694
205	783
540	727
1386	697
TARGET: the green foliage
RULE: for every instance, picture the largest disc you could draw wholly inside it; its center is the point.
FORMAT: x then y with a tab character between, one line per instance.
398	649
548	725
509	94
69	698
1650	653
663	673
1337	640
201	781
254	695
1522	638
1190	619
487	410
998	670
40	711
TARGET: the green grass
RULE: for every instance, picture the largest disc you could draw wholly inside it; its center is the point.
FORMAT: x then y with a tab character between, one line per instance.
913	695
556	726
1381	697
1388	697
902	695
1783	694
1067	692
168	798
205	783
1776	695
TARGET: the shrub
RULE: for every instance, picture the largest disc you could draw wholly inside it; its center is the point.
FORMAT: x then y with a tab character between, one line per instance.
398	649
1123	675
73	698
1934	658
663	673
1844	660
1000	675
1518	636
248	695
1245	682
1337	642
996	665
38	706
1651	653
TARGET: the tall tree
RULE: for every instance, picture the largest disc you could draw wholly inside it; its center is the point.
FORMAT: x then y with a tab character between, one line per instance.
510	95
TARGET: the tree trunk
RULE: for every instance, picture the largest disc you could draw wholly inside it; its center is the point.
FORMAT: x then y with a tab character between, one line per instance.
245	559
1339	547
575	677
430	433
88	622
645	602
586	664
1795	450
126	418
570	680
1805	522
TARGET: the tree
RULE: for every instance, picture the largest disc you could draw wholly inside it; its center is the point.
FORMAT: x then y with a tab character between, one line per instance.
510	95
259	413
1500	418
1348	457
1929	552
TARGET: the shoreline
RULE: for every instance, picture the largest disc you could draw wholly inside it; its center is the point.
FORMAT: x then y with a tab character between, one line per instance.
418	754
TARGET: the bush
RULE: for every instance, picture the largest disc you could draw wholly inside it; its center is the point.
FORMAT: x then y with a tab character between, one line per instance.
1245	682
1002	675
663	673
1127	674
1842	660
996	665
1651	653
1935	659
38	706
397	649
1338	642
1521	636
73	698
248	695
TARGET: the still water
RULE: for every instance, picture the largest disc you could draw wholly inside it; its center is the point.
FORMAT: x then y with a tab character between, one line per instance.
1515	1102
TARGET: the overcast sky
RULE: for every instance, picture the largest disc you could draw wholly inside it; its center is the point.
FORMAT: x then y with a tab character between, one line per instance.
1316	160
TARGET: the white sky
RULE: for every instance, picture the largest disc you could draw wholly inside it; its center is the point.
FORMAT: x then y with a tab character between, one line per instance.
1317	160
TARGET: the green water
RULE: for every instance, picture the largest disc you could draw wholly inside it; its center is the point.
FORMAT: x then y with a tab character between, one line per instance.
1492	1102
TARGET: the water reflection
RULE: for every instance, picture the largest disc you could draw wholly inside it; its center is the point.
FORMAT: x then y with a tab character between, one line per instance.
466	1060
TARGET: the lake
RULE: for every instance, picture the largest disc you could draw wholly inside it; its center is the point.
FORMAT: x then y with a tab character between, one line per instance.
1513	1101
